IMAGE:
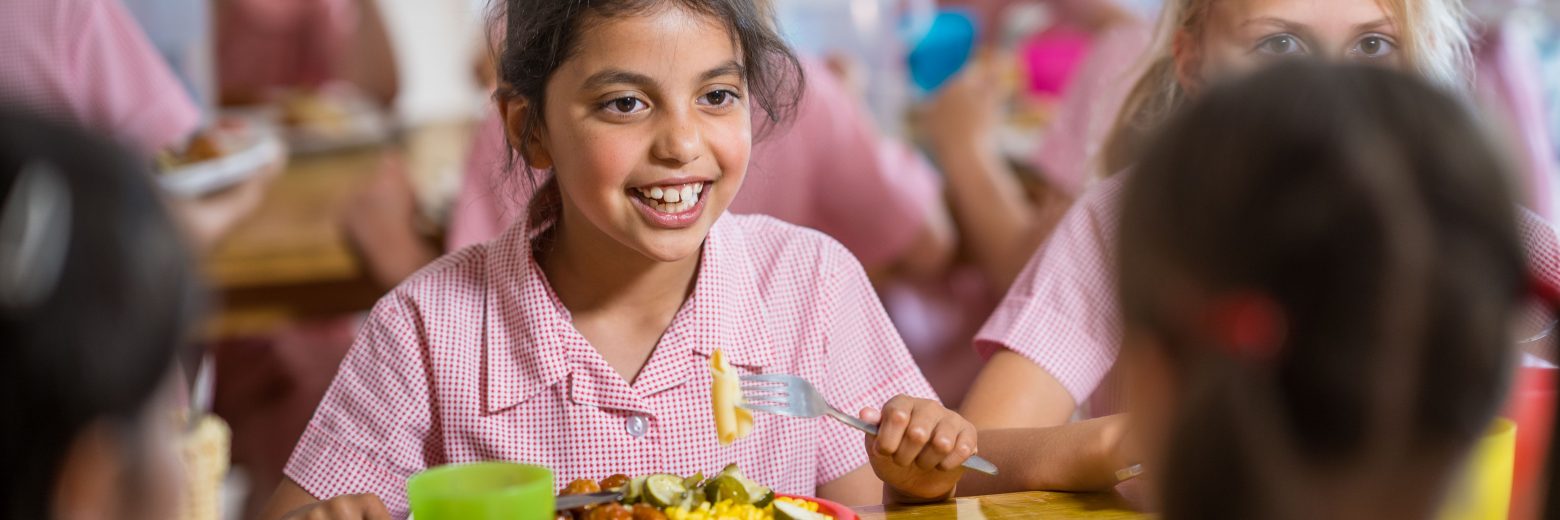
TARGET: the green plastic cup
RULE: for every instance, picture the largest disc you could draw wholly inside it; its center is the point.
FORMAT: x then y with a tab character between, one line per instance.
482	491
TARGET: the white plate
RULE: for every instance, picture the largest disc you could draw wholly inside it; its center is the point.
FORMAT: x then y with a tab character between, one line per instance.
257	149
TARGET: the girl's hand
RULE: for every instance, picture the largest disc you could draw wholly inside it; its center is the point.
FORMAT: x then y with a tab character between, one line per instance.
346	507
919	448
966	114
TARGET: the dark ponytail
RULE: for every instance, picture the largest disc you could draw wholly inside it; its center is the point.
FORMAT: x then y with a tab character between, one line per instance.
1376	216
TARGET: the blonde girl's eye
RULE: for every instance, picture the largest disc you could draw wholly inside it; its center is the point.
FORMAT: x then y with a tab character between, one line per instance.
1281	45
625	105
719	98
1373	46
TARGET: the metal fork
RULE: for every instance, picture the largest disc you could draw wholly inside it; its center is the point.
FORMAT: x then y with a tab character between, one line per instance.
792	396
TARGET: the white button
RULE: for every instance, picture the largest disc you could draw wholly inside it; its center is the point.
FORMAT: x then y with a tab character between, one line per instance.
637	425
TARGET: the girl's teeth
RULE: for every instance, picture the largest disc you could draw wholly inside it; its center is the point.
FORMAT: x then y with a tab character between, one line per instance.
673	199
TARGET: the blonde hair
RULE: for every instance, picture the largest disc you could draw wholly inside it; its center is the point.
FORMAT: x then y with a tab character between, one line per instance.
1433	36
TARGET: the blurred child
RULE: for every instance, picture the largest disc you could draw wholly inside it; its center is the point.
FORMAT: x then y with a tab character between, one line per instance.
579	338
87	63
269	45
1054	341
1319	265
97	297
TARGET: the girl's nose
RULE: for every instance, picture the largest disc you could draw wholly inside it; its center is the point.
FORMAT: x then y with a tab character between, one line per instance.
679	141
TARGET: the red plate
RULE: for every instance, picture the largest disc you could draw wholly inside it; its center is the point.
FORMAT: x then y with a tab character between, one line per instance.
837	511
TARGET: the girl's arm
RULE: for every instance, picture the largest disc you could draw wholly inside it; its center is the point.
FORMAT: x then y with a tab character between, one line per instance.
860	487
1082	456
291	502
1013	392
995	219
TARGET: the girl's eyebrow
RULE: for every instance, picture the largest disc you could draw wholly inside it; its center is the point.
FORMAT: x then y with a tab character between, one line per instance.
1299	29
618	77
1376	25
729	68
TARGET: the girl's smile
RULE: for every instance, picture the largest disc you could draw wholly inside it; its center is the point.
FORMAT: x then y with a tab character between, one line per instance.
671	204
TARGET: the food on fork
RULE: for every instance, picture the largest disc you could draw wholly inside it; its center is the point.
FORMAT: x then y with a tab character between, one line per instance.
732	422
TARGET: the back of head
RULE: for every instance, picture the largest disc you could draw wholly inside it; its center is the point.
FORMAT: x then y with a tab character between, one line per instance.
1370	210
96	296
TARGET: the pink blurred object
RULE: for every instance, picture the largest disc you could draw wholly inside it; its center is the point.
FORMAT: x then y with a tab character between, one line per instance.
90	64
1531	406
1052	57
267	44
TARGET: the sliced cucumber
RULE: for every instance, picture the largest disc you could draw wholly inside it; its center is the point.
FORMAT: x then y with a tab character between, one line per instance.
664	490
635	491
693	481
727	487
790	511
764	500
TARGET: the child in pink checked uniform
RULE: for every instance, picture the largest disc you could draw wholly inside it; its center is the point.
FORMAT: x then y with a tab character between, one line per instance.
580	337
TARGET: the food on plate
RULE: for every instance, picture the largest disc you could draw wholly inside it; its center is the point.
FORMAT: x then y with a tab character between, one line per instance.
204	146
731	421
316	112
728	495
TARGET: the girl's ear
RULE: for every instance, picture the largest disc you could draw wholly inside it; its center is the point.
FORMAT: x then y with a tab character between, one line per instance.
533	150
1187	52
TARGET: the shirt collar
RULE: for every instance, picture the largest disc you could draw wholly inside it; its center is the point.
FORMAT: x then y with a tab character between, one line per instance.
529	333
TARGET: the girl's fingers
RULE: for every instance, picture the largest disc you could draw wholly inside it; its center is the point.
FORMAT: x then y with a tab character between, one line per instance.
923	420
944	438
891	429
963	449
870	415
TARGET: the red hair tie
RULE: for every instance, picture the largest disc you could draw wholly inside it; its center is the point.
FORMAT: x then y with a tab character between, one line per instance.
1247	325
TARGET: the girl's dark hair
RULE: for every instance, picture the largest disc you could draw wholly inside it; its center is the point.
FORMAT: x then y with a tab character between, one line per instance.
1371	209
90	333
543	34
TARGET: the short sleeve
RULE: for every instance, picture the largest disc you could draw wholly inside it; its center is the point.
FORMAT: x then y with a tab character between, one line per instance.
867	361
1061	313
372	429
123	86
874	194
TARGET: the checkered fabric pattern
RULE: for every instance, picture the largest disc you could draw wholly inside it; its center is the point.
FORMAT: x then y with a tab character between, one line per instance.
475	359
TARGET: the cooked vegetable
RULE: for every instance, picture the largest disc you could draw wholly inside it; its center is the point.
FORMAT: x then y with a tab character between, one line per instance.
787	510
664	490
726	487
610	512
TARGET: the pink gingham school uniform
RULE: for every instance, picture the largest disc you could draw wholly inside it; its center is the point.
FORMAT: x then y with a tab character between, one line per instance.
1061	313
475	359
86	62
282	43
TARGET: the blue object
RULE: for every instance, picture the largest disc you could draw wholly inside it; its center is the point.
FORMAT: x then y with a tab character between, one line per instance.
945	48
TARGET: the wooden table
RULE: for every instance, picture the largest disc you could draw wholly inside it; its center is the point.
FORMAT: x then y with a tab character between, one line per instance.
1026	505
292	259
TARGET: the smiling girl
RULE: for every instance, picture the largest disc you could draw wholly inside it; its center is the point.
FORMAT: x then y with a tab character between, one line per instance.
580	338
1053	343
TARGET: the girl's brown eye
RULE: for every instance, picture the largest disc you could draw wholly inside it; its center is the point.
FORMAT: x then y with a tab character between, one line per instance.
624	105
719	97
